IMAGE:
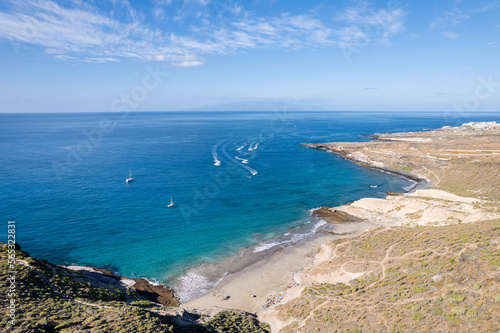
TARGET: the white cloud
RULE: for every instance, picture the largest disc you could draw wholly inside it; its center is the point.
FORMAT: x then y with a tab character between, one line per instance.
46	24
288	31
450	35
99	60
457	16
188	63
369	25
53	51
80	31
176	58
454	17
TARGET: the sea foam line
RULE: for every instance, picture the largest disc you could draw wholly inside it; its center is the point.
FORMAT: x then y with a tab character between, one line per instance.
198	280
193	285
294	238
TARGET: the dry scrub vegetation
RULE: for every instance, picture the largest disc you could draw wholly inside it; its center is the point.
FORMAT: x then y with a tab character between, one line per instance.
50	298
413	279
424	279
466	163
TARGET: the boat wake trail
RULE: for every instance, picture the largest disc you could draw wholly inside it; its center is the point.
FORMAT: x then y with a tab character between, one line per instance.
217	162
244	161
243	165
254	145
221	149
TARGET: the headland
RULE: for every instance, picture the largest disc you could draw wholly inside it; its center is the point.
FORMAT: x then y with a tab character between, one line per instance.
426	260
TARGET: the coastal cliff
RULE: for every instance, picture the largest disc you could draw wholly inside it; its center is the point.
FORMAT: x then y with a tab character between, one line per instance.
362	159
427	260
460	160
51	298
431	265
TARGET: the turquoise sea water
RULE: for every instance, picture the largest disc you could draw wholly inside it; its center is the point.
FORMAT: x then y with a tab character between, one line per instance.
236	179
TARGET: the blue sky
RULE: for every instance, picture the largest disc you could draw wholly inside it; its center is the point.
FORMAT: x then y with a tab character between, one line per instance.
79	56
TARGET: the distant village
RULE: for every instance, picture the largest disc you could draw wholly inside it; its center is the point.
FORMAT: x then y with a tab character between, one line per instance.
474	126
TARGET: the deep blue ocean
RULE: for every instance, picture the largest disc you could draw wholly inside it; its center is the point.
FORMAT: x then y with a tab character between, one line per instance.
236	178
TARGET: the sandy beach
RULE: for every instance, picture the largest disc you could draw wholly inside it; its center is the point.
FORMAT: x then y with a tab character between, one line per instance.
272	276
282	276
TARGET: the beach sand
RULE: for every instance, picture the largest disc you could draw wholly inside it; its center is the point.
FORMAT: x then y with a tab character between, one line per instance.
283	274
271	276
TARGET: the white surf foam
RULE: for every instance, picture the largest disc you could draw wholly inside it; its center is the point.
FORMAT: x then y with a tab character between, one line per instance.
294	237
153	281
313	209
411	187
193	285
266	246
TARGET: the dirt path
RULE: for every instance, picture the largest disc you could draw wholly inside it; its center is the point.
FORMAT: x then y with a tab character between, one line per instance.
360	305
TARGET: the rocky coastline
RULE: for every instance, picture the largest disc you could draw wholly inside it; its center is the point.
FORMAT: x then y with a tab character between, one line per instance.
153	292
365	162
421	260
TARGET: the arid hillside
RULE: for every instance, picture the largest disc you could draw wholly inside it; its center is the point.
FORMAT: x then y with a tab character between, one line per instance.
423	279
433	265
459	160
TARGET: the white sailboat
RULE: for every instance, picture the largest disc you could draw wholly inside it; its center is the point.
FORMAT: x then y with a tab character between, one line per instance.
171	203
129	179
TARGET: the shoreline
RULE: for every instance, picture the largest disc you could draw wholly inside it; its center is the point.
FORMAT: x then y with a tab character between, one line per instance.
214	295
285	274
421	182
201	279
158	293
359	265
272	275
